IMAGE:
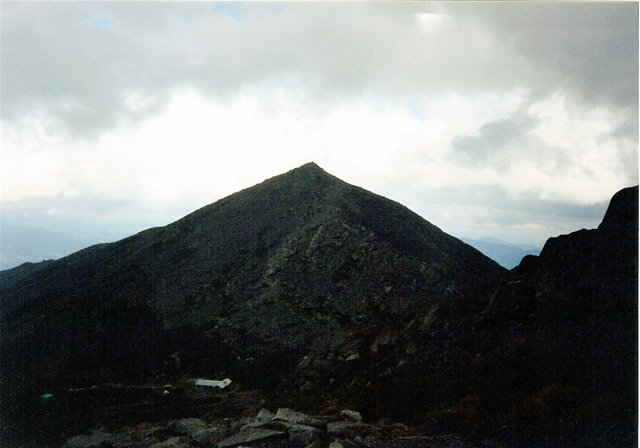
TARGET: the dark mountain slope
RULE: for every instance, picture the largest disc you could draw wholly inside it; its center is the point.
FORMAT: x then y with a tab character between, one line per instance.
247	286
557	345
241	237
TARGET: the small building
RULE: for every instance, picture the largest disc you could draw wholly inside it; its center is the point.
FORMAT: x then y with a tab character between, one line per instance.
206	384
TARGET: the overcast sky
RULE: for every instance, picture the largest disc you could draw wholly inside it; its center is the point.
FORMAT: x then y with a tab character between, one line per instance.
509	120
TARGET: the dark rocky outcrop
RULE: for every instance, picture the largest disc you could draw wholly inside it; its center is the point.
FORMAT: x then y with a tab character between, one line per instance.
553	357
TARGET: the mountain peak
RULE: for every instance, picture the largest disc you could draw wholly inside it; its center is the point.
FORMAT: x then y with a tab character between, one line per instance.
306	181
622	212
309	166
309	170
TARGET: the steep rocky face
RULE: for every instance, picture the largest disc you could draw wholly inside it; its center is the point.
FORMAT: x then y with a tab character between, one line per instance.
241	246
556	349
248	286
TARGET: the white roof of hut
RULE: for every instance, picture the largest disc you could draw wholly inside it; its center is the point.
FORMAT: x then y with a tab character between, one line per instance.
213	383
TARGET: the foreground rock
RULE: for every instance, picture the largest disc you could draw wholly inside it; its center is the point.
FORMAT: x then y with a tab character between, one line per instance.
253	437
284	429
97	439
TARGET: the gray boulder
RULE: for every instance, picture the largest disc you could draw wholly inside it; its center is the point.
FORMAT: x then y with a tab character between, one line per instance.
186	427
292	416
350	430
354	416
249	436
96	440
174	442
301	436
265	415
211	436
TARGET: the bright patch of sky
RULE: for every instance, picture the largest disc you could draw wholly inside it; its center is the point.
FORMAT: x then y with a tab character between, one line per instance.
234	9
101	23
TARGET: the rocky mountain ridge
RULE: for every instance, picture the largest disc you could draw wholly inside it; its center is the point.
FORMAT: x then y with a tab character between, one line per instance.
318	292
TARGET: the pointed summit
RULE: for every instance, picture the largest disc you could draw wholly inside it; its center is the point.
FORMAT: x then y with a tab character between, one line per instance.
310	166
311	171
309	174
622	212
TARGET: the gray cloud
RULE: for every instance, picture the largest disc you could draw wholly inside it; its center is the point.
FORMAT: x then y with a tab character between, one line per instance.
483	211
494	140
80	61
590	48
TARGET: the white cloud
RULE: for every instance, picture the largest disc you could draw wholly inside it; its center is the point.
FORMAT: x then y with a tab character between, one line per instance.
554	150
431	22
201	149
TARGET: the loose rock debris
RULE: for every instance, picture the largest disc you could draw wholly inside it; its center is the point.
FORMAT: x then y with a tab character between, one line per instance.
284	429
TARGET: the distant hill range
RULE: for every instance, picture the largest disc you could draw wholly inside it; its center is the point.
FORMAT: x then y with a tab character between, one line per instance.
507	255
320	291
20	245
